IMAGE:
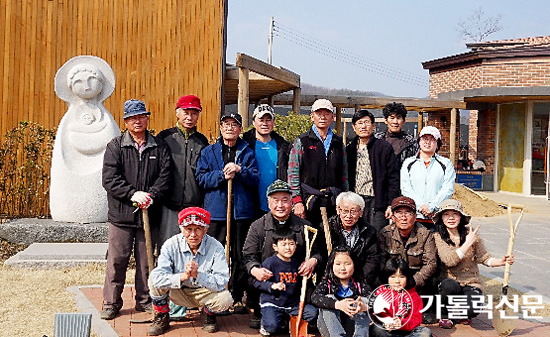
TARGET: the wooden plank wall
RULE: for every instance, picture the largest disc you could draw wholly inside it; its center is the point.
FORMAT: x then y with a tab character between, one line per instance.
158	49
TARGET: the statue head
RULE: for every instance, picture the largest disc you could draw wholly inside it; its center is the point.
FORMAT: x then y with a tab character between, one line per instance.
85	81
85	77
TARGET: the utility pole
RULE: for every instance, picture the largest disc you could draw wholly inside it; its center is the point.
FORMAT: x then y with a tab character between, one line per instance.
270	44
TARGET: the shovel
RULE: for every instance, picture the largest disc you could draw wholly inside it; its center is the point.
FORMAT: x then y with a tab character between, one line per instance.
505	326
150	257
298	327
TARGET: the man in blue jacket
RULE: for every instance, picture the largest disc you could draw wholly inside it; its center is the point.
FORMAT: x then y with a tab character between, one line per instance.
230	158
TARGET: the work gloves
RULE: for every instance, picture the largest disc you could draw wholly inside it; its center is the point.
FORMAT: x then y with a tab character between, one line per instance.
142	199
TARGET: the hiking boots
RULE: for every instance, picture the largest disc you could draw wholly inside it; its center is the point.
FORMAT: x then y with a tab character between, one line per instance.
161	322
209	323
109	313
144	307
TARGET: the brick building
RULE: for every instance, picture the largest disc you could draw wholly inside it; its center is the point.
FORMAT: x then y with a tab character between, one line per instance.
507	82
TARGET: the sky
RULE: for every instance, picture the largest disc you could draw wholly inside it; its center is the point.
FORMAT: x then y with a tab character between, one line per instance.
369	45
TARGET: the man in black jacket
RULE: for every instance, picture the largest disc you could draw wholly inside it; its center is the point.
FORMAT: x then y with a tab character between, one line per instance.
404	144
258	243
372	170
136	173
317	167
271	152
185	144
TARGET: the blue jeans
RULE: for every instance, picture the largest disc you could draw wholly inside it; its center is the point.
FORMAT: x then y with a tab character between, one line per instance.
272	317
333	323
419	331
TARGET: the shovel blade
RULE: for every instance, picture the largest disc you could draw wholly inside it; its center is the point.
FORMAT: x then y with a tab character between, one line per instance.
503	326
298	328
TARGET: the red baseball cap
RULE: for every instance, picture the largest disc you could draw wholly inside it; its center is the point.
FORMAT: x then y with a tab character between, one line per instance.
189	102
194	216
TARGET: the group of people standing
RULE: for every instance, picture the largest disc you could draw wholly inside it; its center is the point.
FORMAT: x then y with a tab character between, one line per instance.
380	194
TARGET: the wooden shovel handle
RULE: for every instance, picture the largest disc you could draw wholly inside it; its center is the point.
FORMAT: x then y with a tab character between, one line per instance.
229	202
326	229
511	239
148	239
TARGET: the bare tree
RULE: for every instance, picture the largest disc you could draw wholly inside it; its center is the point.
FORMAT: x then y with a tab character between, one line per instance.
477	27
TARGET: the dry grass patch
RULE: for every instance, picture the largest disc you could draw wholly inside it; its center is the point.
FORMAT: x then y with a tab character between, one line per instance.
31	297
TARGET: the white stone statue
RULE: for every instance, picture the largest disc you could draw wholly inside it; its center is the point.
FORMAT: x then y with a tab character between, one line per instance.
76	193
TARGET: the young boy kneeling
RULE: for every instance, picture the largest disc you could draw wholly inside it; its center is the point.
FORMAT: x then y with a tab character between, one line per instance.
280	294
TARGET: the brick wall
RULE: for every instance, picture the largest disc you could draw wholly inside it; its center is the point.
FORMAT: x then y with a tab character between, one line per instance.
494	73
458	79
442	121
486	140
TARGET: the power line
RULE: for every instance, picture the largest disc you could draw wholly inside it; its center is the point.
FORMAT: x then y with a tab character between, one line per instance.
339	54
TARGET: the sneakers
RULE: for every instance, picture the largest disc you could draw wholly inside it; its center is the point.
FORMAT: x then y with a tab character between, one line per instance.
209	323
263	332
109	313
161	322
144	307
445	323
240	309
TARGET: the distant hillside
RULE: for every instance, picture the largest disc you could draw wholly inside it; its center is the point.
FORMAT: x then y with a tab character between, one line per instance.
308	89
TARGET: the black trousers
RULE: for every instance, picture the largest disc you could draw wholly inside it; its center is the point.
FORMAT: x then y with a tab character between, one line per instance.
449	287
238	280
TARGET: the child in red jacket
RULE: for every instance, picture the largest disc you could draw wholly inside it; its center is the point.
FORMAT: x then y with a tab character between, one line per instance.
396	305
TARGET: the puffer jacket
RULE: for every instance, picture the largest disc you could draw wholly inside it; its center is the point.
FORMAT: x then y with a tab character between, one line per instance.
419	251
184	191
211	179
326	287
125	172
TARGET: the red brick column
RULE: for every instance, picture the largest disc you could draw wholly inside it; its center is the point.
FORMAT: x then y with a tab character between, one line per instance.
486	139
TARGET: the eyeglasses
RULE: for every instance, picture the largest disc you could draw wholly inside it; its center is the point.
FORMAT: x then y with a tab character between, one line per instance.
230	125
430	139
352	211
363	123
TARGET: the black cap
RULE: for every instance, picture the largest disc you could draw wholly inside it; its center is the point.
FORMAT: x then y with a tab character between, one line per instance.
233	115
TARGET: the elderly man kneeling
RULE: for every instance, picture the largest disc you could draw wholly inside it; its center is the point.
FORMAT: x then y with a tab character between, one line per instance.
192	272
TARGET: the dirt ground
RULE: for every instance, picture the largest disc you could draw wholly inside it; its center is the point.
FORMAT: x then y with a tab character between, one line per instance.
474	205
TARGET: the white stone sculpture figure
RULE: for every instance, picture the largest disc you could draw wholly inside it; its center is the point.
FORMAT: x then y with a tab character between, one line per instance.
76	193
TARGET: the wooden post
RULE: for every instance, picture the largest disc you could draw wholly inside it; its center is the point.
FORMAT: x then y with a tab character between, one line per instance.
271	100
296	99
452	141
420	121
338	121
242	103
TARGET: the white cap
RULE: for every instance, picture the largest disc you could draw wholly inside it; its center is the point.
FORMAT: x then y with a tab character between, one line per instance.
430	130
263	109
322	104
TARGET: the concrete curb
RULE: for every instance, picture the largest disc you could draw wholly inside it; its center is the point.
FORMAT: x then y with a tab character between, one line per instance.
99	326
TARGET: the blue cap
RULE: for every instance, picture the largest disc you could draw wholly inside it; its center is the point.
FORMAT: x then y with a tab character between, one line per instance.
134	107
